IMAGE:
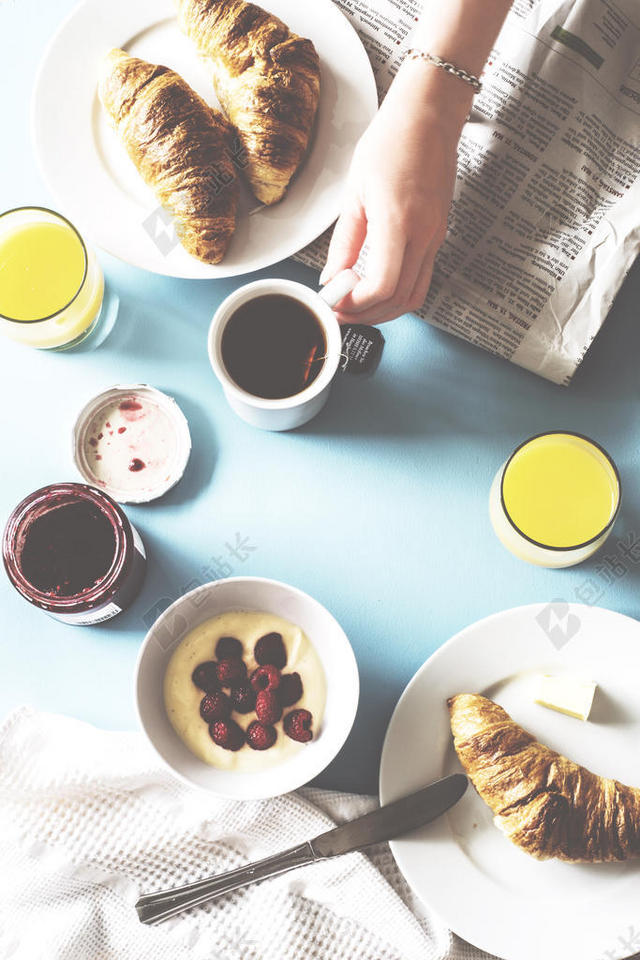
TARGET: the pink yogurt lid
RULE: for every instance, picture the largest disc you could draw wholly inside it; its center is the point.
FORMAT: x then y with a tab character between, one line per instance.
133	442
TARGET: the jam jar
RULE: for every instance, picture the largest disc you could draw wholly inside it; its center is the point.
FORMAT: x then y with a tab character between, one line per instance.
70	550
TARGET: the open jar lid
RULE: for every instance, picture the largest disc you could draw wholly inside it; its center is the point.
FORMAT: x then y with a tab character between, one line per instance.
133	442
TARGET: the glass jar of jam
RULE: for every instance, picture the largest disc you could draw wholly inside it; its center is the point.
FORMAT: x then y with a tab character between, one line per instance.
70	550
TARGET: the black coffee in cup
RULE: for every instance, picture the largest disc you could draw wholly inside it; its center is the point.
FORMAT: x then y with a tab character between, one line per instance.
273	346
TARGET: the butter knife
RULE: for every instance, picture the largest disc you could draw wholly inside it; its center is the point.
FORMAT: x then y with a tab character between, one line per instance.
386	823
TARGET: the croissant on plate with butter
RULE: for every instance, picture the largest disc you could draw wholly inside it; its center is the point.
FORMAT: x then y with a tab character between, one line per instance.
267	80
547	805
181	147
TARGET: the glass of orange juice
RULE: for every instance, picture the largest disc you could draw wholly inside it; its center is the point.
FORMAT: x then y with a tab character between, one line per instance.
52	290
555	500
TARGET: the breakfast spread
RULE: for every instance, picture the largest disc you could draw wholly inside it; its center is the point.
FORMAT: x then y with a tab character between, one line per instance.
544	803
267	80
567	695
244	690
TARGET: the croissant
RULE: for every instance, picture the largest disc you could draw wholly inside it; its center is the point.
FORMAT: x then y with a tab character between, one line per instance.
181	147
547	805
267	81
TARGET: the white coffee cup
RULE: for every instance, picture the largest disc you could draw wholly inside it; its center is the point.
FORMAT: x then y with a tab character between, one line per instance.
288	412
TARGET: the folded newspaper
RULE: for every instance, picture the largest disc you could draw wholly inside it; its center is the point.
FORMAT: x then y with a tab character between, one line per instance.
545	221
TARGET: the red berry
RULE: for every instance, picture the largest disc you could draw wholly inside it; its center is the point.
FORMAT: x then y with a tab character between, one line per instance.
265	678
268	709
270	649
297	725
227	734
215	706
261	737
243	698
228	648
290	689
205	676
231	673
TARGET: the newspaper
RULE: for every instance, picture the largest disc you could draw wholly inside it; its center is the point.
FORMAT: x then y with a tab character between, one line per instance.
545	220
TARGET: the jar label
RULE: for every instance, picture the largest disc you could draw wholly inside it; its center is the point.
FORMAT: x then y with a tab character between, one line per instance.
88	617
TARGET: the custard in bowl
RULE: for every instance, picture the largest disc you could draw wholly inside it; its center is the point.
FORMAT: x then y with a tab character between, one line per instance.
246	687
245	690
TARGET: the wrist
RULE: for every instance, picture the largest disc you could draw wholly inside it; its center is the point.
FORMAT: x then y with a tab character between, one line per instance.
443	97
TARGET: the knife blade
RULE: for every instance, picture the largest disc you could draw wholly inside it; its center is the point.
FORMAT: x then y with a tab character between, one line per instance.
393	819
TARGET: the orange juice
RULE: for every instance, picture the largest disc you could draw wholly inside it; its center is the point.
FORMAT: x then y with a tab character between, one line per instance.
51	287
554	502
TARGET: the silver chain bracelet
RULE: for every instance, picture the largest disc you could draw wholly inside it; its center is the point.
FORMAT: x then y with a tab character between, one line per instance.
413	54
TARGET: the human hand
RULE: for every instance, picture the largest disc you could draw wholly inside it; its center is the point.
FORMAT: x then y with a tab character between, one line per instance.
398	196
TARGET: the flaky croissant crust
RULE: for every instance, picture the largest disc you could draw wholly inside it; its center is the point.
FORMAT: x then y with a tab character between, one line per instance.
267	80
180	146
547	805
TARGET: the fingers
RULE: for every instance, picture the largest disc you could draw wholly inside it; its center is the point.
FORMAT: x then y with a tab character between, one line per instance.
386	246
346	241
395	307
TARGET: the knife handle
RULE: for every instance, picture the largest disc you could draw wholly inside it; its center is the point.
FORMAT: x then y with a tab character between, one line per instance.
156	907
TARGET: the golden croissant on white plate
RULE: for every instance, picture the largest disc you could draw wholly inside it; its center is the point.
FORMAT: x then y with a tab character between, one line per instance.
267	80
547	805
181	147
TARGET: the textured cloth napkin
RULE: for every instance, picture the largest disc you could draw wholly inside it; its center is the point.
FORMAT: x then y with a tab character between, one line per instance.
89	820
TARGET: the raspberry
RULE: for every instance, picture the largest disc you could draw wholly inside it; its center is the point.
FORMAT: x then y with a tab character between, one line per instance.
290	689
215	706
227	734
231	673
265	678
297	725
228	648
243	698
268	709
270	649
260	737
205	676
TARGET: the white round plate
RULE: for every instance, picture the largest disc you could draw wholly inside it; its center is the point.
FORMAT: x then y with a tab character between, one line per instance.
483	887
96	185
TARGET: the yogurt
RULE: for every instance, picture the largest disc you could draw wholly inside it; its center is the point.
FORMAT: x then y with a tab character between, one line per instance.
182	698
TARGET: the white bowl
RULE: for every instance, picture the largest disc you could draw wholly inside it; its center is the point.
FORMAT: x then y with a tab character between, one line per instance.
248	593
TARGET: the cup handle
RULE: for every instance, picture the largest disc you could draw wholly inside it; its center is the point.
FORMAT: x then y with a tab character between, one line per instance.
342	284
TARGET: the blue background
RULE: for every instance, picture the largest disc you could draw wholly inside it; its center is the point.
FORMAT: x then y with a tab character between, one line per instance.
378	507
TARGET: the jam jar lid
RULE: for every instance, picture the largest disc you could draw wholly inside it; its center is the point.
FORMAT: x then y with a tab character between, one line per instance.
132	441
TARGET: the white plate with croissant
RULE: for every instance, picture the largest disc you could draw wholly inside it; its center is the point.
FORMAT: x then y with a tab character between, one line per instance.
541	861
206	139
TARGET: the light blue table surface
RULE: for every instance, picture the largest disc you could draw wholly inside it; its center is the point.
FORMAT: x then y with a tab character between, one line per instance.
378	508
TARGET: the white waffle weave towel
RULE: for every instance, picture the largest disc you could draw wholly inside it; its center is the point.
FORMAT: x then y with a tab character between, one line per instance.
89	820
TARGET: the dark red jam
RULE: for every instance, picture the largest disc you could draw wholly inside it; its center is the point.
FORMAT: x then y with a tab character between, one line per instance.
137	465
130	404
69	549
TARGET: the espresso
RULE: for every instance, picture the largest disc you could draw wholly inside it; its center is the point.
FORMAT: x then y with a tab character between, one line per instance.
273	346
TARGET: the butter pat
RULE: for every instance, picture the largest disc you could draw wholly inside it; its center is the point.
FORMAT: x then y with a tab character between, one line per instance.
567	695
